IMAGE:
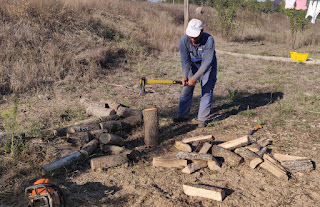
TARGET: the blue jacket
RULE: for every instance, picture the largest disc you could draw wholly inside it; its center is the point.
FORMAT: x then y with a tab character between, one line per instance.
202	57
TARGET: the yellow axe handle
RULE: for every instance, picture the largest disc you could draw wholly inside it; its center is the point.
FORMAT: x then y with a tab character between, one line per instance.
150	81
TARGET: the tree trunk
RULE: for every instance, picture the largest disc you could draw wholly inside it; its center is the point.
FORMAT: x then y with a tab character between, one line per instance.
214	165
229	157
151	126
249	157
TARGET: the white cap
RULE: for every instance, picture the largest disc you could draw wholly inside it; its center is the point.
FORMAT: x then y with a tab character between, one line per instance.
194	28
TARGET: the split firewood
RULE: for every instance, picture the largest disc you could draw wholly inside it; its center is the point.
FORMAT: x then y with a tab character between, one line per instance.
108	161
197	146
214	165
252	159
263	151
254	147
274	167
264	142
204	191
205	148
168	162
151	126
71	158
194	166
286	157
233	144
182	146
193	156
99	111
126	112
203	138
229	157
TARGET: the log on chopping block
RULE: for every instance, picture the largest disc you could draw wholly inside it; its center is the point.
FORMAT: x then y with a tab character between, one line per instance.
194	166
205	148
193	156
229	157
252	159
233	144
108	161
114	150
202	138
204	191
214	165
151	126
99	111
182	146
126	112
169	162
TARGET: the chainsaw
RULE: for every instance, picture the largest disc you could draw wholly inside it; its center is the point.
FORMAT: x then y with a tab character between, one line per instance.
44	194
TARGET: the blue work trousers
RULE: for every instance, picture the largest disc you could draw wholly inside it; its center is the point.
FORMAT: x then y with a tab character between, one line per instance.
208	81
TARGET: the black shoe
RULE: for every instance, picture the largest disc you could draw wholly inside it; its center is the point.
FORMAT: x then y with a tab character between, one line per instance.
202	124
179	119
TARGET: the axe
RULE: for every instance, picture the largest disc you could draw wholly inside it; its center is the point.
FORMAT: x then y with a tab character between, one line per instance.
143	81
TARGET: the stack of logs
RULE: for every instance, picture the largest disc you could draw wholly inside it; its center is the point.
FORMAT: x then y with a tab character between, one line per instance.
200	152
109	119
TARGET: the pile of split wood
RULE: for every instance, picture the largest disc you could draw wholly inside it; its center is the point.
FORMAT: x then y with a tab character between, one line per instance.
201	151
98	133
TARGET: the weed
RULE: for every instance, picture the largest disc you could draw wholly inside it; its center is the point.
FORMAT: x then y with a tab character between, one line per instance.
114	93
232	95
214	123
107	87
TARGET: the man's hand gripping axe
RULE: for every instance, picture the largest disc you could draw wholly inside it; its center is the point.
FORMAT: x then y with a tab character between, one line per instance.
143	82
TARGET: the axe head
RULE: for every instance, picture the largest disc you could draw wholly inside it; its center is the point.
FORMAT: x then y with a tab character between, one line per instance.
142	86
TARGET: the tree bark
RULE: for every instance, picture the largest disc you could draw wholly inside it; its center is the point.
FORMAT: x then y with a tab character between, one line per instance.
151	126
99	111
282	157
229	157
115	126
193	156
126	112
204	191
78	138
252	159
111	139
298	165
114	150
169	162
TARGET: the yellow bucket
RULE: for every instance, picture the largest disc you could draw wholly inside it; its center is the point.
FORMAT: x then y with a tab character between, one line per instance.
296	56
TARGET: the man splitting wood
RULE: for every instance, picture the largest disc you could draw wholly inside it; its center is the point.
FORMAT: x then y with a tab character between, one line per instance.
199	63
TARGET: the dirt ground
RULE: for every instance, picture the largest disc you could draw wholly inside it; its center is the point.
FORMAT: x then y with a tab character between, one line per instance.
283	97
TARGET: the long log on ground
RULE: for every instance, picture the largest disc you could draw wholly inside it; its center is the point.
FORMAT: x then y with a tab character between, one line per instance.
252	159
97	120
194	166
286	157
108	161
193	156
204	191
169	162
69	159
151	126
205	148
202	138
233	144
99	111
229	157
298	165
114	150
115	126
83	128
214	165
182	146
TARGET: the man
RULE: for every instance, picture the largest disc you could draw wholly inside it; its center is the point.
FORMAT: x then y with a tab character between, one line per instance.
199	63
